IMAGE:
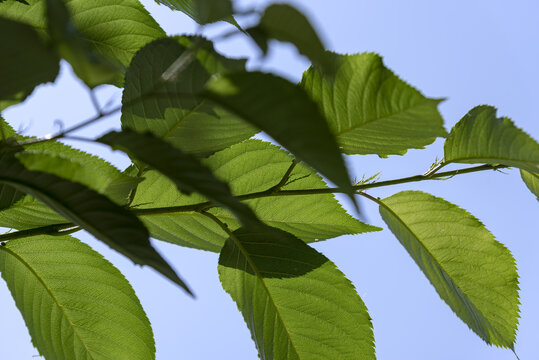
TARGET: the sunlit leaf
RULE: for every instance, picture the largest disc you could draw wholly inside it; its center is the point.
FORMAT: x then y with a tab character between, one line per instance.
75	303
19	70
295	122
250	167
471	271
295	301
98	215
285	23
532	181
203	11
481	137
370	110
169	109
183	169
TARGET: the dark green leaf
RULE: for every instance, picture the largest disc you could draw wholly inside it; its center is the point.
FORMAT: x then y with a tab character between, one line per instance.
203	11
481	137
295	301
471	271
75	303
19	70
285	23
532	181
183	169
371	110
169	109
250	167
295	122
108	222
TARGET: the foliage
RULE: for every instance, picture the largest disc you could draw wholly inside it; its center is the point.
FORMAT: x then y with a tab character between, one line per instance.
199	180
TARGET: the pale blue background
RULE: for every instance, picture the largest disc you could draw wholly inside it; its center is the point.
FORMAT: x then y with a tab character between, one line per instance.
473	52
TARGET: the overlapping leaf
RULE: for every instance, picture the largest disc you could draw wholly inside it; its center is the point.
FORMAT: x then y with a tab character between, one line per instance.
250	167
532	181
471	271
108	222
295	301
285	23
170	109
186	171
285	112
370	110
203	11
116	30
19	70
75	303
481	137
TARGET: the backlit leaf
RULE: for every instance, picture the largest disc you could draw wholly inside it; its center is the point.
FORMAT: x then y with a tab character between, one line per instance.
481	137
203	11
250	167
295	301
108	222
370	110
75	303
532	181
170	109
471	271
295	122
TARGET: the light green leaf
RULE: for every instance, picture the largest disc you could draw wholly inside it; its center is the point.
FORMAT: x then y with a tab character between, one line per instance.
110	223
169	109
116	30
370	110
250	167
481	137
532	181
203	11
285	23
183	169
295	301
76	305
91	67
296	123
19	70
471	271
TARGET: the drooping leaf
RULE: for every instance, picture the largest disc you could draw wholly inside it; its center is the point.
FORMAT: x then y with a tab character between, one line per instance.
250	167
19	70
285	23
471	271
183	169
532	181
203	11
370	110
481	137
116	30
295	122
98	215
295	301
90	66
76	305
169	109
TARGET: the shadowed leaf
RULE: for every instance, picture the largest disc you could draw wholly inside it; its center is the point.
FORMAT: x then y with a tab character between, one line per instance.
532	182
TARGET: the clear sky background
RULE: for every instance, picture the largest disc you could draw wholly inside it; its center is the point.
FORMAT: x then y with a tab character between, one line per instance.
472	52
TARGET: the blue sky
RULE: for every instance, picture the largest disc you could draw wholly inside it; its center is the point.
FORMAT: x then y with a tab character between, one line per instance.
472	52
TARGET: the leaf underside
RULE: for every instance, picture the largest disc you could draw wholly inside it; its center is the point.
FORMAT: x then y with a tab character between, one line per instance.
532	182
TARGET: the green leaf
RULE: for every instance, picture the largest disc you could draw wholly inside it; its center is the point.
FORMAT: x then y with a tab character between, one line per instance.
91	67
76	304
183	169
108	222
471	271
295	301
481	137
532	182
285	23
296	123
370	110
19	70
116	30
250	167
203	11
169	109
